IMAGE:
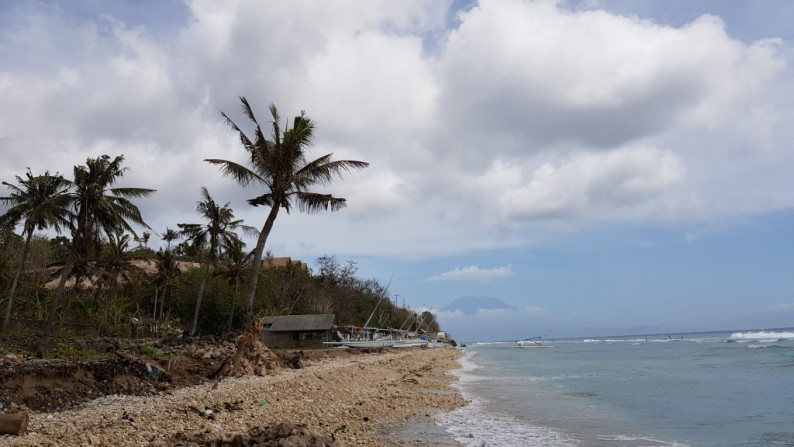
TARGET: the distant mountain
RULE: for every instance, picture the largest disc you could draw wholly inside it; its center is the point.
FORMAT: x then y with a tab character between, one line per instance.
469	305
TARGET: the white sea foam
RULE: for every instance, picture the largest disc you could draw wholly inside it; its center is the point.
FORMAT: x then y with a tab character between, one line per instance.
474	426
644	441
632	341
761	336
486	343
466	364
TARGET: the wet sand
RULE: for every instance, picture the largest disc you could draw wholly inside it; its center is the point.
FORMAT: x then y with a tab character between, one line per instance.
378	399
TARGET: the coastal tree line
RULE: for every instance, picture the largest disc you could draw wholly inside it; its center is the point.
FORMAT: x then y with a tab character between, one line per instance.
204	279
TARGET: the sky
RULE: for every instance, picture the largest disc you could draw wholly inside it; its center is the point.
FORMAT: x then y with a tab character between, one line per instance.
601	166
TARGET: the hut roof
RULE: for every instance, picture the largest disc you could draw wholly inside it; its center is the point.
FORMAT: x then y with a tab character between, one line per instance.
293	323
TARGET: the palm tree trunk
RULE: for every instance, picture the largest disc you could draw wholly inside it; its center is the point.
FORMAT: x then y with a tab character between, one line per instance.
256	264
25	252
67	269
204	277
234	301
162	300
156	292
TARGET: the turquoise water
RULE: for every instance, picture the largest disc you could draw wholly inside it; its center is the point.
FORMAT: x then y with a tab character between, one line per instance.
703	389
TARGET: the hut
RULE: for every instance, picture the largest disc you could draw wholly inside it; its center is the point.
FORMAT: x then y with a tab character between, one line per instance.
297	331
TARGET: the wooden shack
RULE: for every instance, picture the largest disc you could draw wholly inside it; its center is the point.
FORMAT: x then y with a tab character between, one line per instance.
297	331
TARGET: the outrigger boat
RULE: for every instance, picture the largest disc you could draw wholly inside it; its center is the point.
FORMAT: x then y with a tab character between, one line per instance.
371	338
534	342
364	337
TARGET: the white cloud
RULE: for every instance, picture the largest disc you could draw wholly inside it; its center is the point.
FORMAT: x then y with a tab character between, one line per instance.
526	113
473	273
594	184
546	74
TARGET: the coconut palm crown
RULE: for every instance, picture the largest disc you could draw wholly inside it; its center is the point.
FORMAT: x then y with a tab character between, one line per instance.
98	208
279	165
214	236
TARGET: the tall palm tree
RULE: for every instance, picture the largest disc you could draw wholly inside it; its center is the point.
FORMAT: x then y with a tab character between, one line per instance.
98	208
215	235
279	165
39	202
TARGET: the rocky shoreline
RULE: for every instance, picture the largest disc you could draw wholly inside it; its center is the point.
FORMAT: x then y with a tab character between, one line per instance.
342	400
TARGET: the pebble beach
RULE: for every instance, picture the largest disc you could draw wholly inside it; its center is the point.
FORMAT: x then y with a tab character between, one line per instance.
361	400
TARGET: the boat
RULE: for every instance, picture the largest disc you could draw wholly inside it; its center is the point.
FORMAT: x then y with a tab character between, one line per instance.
371	338
368	344
534	342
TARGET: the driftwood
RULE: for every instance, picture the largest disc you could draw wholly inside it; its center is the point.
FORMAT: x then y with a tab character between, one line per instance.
13	424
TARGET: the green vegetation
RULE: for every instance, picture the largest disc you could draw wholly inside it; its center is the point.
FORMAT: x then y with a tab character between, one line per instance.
148	351
101	277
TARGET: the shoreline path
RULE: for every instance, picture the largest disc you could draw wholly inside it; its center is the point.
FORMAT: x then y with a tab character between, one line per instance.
359	400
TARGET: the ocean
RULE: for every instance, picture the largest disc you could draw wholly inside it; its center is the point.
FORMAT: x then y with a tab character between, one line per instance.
733	388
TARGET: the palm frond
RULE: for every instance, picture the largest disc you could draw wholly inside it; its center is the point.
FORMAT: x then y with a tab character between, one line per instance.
244	140
322	171
238	172
249	230
132	192
264	199
310	202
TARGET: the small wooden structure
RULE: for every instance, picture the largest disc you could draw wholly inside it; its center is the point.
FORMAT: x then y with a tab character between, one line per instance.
297	331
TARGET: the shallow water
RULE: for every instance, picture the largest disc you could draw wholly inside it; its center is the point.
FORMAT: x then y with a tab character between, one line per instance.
703	389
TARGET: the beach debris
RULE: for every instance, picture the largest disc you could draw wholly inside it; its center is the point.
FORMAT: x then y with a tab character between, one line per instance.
152	371
13	423
126	418
233	406
207	412
195	409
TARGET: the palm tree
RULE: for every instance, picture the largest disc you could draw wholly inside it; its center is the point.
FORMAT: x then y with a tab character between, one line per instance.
115	265
279	165
167	272
215	235
98	208
39	202
237	263
168	236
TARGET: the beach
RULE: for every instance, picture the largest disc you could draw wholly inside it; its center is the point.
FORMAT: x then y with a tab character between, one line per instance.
356	400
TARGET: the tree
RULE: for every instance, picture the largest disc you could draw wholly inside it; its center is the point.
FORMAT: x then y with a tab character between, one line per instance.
39	202
279	165
167	272
237	263
169	236
97	208
215	235
115	265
